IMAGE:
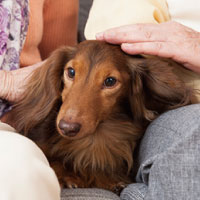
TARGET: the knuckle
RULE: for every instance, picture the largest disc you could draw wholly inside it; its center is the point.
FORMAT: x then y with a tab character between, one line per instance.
176	24
159	46
148	34
187	34
177	28
139	27
196	47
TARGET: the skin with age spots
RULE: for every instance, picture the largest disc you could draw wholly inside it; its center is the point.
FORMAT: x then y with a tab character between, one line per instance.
169	40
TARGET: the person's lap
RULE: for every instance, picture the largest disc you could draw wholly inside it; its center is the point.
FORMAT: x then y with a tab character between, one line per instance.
169	158
169	161
24	171
88	194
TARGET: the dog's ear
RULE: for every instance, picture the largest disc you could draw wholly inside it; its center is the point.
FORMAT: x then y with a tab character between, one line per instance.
155	88
43	91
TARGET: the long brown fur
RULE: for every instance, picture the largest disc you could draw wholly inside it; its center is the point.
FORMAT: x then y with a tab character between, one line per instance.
113	119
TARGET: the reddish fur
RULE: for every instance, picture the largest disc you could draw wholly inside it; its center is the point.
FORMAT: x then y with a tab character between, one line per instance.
101	155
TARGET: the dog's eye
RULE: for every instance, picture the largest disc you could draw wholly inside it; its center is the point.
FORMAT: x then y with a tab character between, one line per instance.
71	72
110	81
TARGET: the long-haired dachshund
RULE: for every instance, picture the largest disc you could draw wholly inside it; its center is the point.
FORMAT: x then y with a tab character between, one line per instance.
87	107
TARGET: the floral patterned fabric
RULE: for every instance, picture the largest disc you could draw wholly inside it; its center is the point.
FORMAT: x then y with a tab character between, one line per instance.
13	30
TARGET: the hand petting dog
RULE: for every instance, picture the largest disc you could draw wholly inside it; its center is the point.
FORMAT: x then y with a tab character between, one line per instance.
88	106
169	40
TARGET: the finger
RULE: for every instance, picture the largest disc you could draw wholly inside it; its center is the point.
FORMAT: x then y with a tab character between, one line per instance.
136	33
166	50
160	49
100	36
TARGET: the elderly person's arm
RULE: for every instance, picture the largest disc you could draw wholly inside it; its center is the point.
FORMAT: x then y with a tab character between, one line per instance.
13	82
169	40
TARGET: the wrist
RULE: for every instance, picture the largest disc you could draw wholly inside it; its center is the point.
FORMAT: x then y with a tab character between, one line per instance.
12	83
6	80
4	83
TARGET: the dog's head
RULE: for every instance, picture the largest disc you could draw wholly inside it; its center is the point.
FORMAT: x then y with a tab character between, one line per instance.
85	85
96	81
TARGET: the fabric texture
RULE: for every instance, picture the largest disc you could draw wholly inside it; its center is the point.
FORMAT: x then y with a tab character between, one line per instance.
88	194
24	171
13	30
6	127
52	24
169	158
84	8
185	12
108	14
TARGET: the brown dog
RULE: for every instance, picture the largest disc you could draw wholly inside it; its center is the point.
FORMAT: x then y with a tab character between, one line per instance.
89	105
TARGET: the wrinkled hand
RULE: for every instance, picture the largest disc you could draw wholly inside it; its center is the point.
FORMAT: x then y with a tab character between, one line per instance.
13	83
169	40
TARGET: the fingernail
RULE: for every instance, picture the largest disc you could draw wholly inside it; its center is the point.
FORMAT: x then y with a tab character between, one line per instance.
99	36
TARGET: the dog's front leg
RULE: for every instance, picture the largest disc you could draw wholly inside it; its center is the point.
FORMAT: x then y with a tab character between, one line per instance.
66	178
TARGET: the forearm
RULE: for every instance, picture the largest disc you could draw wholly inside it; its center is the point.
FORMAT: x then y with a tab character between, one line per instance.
13	82
6	81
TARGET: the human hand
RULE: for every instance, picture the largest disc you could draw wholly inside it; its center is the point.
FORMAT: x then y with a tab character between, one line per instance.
13	82
169	40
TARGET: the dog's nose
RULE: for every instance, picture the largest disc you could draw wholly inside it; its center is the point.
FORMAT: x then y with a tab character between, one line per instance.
68	128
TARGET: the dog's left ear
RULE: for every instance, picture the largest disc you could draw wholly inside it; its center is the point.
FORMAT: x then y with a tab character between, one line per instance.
43	92
155	88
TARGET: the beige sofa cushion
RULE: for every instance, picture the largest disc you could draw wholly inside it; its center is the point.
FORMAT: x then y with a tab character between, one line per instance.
105	14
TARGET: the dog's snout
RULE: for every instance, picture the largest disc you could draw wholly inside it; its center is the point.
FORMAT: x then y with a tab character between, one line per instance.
68	128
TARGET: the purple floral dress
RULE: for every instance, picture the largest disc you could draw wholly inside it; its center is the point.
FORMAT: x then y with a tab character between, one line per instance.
13	30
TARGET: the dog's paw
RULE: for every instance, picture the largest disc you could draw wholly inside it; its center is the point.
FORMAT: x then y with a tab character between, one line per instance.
117	188
72	182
